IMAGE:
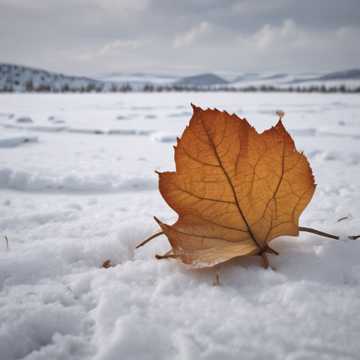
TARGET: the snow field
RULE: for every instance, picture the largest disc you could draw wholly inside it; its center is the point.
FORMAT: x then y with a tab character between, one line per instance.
73	199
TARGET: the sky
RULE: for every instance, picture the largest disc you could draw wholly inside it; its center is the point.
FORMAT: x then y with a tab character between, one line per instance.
183	37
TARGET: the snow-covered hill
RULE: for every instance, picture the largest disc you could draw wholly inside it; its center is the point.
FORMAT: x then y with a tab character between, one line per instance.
14	78
348	80
26	79
201	80
139	80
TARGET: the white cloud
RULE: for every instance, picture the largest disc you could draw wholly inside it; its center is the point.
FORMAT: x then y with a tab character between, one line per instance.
270	36
125	6
117	45
88	36
192	36
108	50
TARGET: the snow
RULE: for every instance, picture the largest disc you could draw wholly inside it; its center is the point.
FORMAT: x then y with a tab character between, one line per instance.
86	191
16	140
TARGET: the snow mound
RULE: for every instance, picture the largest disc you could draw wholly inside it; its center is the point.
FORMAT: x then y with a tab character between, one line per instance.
24	119
164	137
55	120
181	114
25	181
57	127
16	140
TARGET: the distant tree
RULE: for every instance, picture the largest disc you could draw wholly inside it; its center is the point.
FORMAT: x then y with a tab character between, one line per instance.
99	88
65	88
29	86
9	88
43	88
90	87
126	88
149	88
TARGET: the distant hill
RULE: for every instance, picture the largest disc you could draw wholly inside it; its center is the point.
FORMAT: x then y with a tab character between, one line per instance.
342	75
139	79
202	80
27	79
246	77
17	78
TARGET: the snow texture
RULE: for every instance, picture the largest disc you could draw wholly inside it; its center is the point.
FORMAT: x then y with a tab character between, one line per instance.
74	199
16	140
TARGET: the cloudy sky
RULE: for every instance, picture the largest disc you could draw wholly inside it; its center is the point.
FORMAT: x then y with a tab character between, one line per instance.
181	36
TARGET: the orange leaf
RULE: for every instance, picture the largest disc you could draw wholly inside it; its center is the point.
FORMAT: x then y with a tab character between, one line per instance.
234	189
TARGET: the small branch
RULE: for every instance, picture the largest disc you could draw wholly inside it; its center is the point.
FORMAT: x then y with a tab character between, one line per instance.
342	218
317	232
7	243
166	256
149	238
354	237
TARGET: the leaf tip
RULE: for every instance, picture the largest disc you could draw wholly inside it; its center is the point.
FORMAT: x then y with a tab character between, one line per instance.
195	108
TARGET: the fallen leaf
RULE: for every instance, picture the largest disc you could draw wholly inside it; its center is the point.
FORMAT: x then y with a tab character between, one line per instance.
234	189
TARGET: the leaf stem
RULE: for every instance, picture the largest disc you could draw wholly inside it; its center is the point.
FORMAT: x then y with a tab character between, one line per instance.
166	256
264	260
318	232
269	250
149	238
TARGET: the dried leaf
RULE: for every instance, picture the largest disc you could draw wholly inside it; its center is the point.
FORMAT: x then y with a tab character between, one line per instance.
234	189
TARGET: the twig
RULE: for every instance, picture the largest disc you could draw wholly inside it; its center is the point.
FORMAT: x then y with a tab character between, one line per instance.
280	114
7	243
216	281
318	232
168	255
149	238
354	237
